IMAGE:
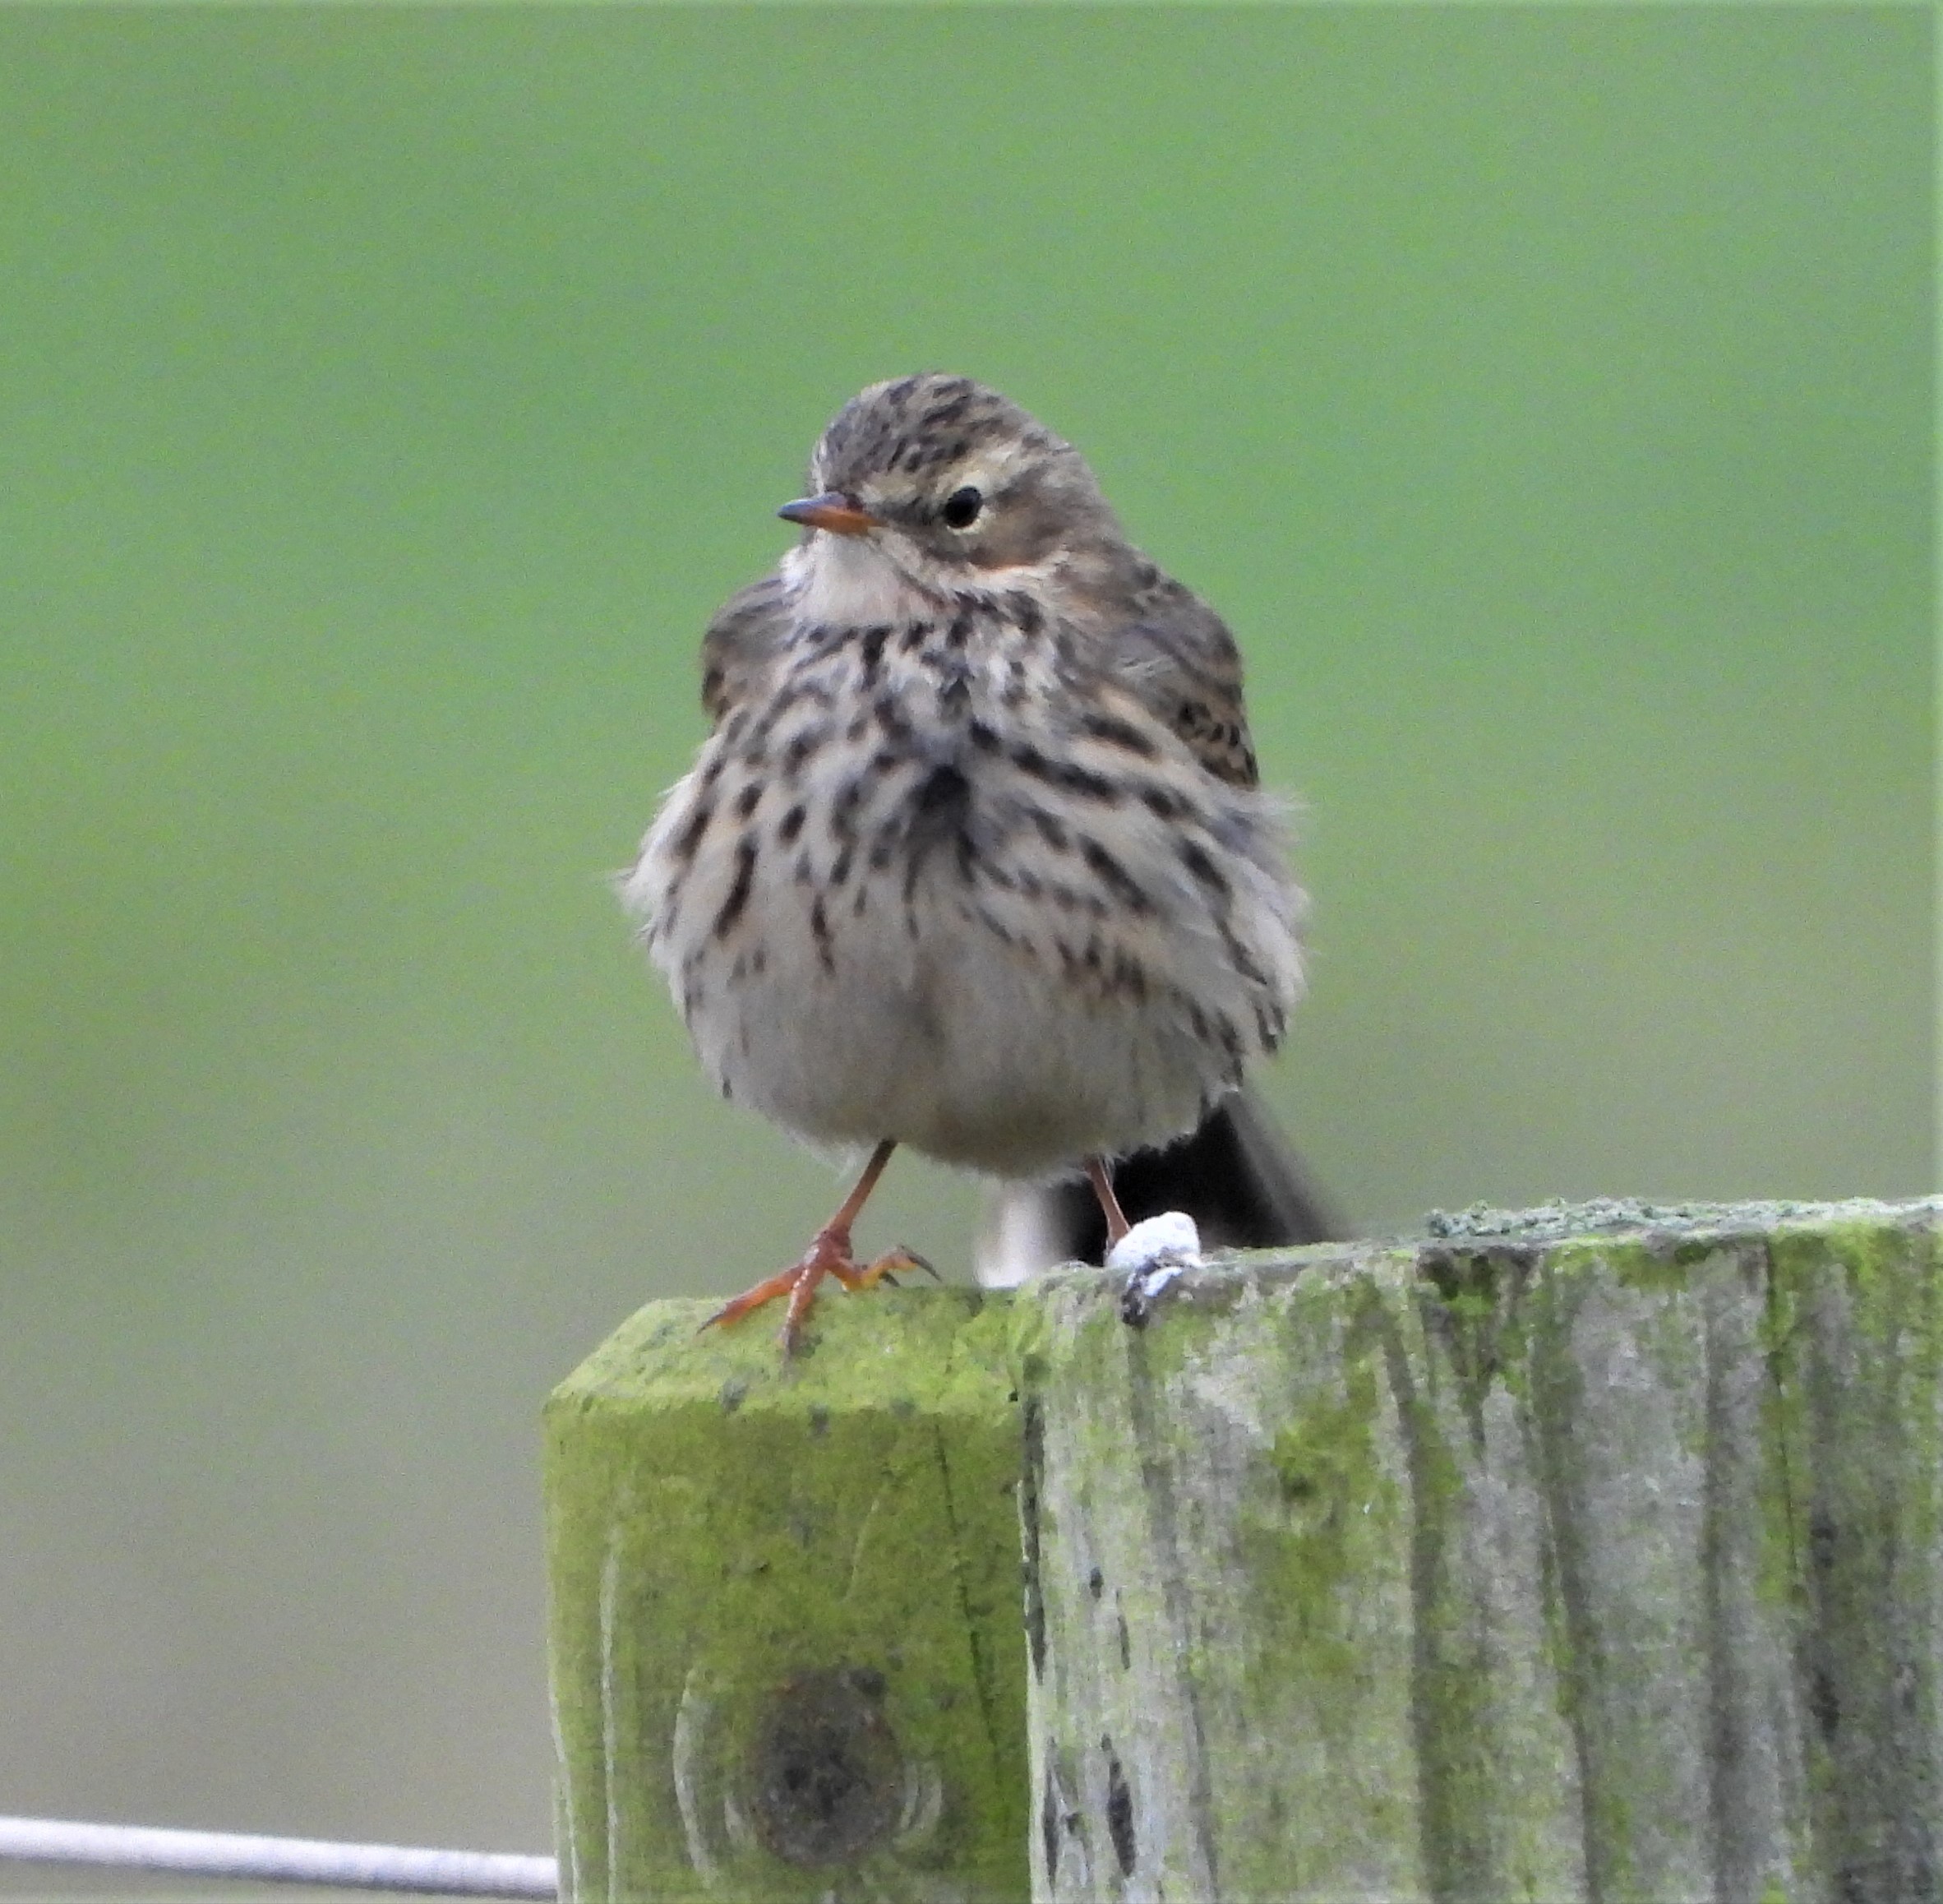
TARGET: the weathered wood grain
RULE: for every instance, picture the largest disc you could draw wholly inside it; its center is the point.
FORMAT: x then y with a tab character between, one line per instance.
784	1618
1569	1555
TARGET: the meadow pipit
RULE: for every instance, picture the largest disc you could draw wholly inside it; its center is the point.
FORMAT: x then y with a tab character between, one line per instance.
974	859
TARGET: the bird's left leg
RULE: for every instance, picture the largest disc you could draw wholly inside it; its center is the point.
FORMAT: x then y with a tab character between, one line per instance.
1101	1179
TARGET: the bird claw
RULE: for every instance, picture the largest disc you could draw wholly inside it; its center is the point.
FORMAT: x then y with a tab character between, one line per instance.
828	1254
881	1270
918	1262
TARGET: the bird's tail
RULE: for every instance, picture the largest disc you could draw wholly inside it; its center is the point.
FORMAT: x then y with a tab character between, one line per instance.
1237	1176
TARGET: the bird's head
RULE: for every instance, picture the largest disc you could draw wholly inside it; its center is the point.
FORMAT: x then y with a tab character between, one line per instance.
951	485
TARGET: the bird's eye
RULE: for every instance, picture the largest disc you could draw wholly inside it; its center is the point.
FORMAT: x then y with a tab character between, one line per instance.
962	507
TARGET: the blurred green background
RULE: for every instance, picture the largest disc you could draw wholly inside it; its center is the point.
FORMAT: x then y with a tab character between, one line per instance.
387	397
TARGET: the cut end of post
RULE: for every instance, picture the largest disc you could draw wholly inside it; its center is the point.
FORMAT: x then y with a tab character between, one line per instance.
785	1612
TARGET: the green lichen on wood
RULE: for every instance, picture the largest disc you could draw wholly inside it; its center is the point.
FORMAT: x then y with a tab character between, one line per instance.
1857	1339
785	1649
1571	1554
1226	1592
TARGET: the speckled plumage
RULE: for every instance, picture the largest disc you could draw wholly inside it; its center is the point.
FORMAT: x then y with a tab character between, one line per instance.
974	858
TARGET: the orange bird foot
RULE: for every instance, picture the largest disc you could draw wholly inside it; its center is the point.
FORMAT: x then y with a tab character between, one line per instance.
828	1254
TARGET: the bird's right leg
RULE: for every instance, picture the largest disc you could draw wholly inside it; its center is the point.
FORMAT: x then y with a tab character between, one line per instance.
828	1254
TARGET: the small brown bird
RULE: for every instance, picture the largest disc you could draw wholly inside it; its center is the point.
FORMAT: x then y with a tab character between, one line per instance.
975	859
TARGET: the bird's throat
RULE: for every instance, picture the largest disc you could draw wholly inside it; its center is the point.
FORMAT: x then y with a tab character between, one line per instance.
850	582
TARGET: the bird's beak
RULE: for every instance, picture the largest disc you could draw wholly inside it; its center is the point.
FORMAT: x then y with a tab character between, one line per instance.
836	513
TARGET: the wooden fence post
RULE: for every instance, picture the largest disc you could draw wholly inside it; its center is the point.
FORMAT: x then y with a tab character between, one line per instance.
784	1609
1580	1554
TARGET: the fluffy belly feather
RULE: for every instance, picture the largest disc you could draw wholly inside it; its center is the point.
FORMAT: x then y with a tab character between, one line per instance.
924	951
956	1045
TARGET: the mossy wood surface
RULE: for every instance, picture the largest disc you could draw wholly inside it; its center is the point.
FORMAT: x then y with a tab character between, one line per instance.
784	1640
1586	1554
1549	1559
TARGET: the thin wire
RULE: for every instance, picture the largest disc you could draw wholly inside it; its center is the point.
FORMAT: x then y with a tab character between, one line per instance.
280	1860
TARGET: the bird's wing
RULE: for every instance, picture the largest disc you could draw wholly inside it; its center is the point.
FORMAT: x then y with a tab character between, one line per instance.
1175	655
744	644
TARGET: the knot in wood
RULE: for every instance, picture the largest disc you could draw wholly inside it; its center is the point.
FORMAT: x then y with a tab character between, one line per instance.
827	1776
